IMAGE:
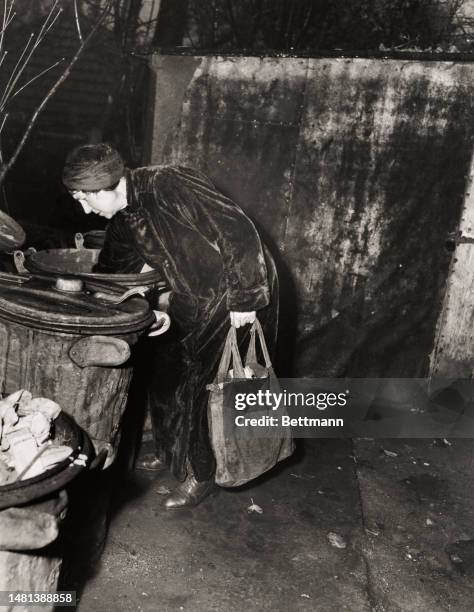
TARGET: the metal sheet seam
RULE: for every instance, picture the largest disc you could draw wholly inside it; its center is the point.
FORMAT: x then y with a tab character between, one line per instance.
282	244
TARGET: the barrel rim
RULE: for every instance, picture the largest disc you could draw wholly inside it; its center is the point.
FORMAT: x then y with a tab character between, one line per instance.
28	490
34	263
81	329
28	301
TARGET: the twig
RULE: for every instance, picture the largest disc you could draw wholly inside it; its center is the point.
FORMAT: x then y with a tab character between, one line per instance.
78	24
7	19
33	79
27	53
2	125
3	56
14	71
8	165
46	24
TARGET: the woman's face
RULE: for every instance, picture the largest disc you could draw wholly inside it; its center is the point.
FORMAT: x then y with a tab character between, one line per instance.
104	203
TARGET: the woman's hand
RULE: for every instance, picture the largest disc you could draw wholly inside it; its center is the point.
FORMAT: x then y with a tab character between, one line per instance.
161	324
239	319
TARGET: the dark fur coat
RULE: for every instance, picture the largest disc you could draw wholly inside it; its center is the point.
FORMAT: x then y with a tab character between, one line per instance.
211	257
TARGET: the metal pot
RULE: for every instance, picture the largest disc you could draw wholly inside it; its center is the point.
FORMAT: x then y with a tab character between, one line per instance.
80	262
93	239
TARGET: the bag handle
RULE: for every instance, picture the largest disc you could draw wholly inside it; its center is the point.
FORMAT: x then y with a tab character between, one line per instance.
230	352
251	356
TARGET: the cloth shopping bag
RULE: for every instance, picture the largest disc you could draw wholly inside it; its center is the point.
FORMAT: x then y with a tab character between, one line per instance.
243	454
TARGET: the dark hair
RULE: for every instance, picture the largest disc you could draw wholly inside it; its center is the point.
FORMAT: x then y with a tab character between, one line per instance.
93	168
90	153
111	188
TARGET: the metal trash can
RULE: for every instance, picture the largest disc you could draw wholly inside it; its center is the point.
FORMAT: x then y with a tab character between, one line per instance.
71	341
31	515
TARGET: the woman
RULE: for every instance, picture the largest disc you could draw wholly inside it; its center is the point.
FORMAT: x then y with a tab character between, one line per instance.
173	219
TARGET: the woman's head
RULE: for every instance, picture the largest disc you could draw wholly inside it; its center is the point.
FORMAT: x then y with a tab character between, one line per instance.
94	175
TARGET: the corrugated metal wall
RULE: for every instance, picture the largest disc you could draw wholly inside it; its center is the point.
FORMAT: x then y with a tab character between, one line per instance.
354	170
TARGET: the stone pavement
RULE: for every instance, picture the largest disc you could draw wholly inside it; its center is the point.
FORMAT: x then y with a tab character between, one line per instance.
381	525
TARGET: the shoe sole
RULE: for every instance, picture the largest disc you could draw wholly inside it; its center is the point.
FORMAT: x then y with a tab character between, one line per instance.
212	492
150	469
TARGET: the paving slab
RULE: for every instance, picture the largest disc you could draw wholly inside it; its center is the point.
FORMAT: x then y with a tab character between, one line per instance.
302	552
418	507
368	525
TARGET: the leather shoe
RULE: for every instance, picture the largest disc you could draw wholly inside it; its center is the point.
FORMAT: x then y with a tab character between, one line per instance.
150	462
189	493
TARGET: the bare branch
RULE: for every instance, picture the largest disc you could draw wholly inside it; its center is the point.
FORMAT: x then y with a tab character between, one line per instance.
16	68
78	25
4	120
33	119
7	18
33	79
28	51
3	56
49	21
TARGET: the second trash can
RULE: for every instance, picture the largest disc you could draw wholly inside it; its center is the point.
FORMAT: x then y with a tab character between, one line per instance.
71	340
31	515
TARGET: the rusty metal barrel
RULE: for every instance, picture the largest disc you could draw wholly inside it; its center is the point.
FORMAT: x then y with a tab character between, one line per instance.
70	341
31	517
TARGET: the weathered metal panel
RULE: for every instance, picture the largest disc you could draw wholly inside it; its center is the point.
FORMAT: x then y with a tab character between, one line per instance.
453	354
246	143
354	169
39	361
172	76
375	182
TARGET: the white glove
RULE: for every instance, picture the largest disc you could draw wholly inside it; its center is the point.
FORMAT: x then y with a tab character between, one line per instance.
239	319
161	325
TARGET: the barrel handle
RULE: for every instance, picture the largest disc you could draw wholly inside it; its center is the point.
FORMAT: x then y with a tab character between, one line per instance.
79	240
105	351
19	261
118	299
105	455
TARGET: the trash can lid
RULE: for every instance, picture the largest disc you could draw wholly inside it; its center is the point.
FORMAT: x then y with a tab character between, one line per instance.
12	235
71	305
